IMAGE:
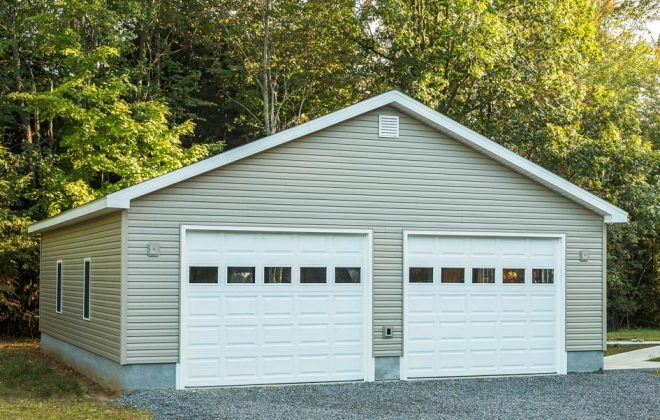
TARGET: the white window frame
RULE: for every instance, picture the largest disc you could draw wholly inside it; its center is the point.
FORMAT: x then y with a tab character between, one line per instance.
59	286
87	290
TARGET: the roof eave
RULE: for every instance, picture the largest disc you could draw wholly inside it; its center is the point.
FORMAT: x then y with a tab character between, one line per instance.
95	208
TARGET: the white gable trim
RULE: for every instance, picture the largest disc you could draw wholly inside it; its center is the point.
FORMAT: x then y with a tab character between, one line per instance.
122	199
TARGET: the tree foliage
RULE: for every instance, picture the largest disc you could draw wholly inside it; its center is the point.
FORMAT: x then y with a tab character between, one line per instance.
96	95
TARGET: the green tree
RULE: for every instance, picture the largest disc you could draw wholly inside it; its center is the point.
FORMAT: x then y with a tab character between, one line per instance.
74	126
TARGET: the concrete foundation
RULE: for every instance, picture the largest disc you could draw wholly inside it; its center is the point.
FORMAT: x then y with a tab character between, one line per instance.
585	361
126	378
387	368
110	373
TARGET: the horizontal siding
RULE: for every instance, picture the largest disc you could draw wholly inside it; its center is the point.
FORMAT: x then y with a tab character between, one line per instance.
99	239
347	177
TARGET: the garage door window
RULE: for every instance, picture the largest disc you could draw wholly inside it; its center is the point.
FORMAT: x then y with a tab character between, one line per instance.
240	275
277	275
420	275
312	275
453	275
513	276
543	276
347	274
483	275
202	275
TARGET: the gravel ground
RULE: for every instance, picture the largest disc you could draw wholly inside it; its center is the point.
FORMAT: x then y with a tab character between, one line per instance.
627	394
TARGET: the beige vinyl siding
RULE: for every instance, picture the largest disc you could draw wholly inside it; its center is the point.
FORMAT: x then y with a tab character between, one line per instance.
347	177
99	239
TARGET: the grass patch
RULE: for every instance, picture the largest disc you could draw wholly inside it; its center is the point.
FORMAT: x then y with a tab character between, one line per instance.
24	375
612	350
34	387
655	359
627	334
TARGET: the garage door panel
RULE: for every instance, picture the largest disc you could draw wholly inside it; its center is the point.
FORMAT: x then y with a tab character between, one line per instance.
465	329
347	305
258	333
235	307
278	366
203	306
203	336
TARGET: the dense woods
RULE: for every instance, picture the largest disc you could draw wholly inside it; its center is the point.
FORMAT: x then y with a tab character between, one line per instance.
96	95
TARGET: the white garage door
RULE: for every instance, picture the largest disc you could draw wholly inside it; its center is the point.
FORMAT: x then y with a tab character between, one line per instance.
482	306
260	308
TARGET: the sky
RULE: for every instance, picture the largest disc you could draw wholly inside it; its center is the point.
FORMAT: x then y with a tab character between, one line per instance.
654	28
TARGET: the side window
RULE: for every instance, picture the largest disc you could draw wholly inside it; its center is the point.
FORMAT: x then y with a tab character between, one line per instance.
513	275
58	287
420	275
87	285
202	275
242	275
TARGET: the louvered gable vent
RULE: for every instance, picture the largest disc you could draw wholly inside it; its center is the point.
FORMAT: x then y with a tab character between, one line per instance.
388	126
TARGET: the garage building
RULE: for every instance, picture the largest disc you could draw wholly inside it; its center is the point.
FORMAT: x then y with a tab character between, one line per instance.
382	241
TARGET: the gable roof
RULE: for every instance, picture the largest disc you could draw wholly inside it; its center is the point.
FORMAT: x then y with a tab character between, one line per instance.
122	199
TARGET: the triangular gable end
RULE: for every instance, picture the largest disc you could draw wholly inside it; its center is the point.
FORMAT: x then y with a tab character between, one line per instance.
122	199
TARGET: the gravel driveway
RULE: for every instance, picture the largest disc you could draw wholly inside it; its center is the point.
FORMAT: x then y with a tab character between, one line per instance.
629	394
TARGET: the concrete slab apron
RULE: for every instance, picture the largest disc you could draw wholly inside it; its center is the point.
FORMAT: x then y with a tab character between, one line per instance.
636	359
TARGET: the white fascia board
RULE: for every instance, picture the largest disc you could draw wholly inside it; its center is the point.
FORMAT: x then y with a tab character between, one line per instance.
122	199
97	206
611	213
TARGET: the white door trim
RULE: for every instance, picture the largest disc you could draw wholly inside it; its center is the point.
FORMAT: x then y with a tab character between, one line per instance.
562	356
369	365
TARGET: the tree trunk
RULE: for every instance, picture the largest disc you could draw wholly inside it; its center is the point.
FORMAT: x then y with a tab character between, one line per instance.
265	70
18	87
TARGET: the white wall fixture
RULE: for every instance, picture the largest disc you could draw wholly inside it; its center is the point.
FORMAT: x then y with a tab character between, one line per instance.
153	249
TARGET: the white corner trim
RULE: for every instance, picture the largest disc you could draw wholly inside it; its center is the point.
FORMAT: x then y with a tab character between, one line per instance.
122	198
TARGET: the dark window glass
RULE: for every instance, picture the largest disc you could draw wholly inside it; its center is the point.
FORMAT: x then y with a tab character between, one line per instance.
86	288
453	275
513	276
240	274
312	274
347	274
199	275
420	275
58	288
543	276
277	274
483	275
